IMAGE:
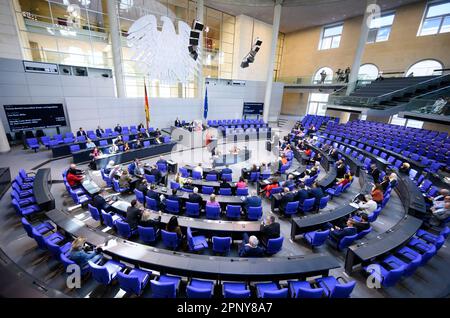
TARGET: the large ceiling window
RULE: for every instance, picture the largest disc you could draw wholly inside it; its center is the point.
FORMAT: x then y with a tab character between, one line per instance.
331	37
425	68
436	19
380	28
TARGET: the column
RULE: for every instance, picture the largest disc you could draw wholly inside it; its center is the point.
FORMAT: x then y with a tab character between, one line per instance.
116	47
273	47
4	144
368	15
199	18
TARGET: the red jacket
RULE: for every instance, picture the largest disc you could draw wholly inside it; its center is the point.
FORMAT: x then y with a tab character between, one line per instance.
74	179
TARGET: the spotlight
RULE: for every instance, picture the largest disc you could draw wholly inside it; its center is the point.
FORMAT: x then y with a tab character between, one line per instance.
250	57
198	26
258	42
244	64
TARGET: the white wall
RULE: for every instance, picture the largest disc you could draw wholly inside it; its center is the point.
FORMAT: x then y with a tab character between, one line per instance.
246	31
9	40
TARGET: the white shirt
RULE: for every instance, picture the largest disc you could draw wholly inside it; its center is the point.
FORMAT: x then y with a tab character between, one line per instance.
198	169
369	206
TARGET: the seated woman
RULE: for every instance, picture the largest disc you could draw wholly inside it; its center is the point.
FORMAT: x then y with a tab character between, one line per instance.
212	201
405	167
109	167
147	221
90	144
173	227
124	179
241	184
126	147
344	180
79	255
273	184
95	154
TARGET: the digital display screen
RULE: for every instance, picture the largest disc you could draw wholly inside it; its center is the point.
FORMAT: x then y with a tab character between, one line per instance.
253	108
38	116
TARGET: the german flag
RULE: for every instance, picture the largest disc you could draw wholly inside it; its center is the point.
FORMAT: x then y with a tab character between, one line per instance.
147	107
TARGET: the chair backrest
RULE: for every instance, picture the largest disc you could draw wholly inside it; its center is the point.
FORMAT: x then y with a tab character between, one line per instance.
150	178
172	206
100	273
54	249
346	241
147	234
254	176
194	292
254	213
170	239
192	209
324	201
174	185
393	276
123	228
129	283
151	203
320	237
342	290
274	245
242	191
227	177
40	240
163	290
308	204
291	207
212	212
221	244
364	233
184	172
233	211
197	175
107	218
281	293
211	177
139	195
94	212
304	292
207	190
27	226
225	191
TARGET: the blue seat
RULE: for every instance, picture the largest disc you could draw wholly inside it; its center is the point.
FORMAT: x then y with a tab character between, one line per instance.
233	211
227	177
211	177
385	277
42	228
110	219
117	187
124	230
323	202
254	176
56	250
199	289
184	172
33	143
139	196
196	243
106	273
396	262
41	240
74	148
148	234
94	212
436	240
207	190
270	290
333	289
274	245
225	191
212	212
334	192
192	209
426	250
221	245
303	289
172	206
235	290
170	239
316	238
197	175
410	256
364	233
291	208
66	261
254	213
165	287
134	281
308	205
174	185
242	191
24	211
151	204
150	178
346	241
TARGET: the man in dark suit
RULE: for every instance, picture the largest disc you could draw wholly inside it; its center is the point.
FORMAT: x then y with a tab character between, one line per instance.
302	194
99	131
143	186
133	214
100	202
155	172
375	173
118	129
250	247
340	170
224	185
226	170
152	194
252	201
270	229
317	193
174	196
194	197
286	197
336	233
81	132
363	224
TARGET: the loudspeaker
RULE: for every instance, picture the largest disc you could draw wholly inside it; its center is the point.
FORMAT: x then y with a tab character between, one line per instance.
258	42
244	64
197	26
194	55
193	41
195	34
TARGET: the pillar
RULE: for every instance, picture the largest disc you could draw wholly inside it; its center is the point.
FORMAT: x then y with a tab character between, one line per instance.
116	47
273	47
199	18
4	144
368	15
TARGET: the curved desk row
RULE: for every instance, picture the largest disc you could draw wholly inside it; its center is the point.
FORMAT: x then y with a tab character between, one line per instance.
222	199
384	243
204	225
41	189
410	195
84	154
128	156
201	266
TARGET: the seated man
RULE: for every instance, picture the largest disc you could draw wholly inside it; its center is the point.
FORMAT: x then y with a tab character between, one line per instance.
226	170
99	131
224	185
440	214
152	194
317	193
250	247
161	160
252	200
336	233
194	197
155	172
100	202
142	185
74	176
173	197
368	205
286	197
289	182
363	224
134	214
302	194
270	229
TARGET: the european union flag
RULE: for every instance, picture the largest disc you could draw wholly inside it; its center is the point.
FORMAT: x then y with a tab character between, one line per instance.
205	105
